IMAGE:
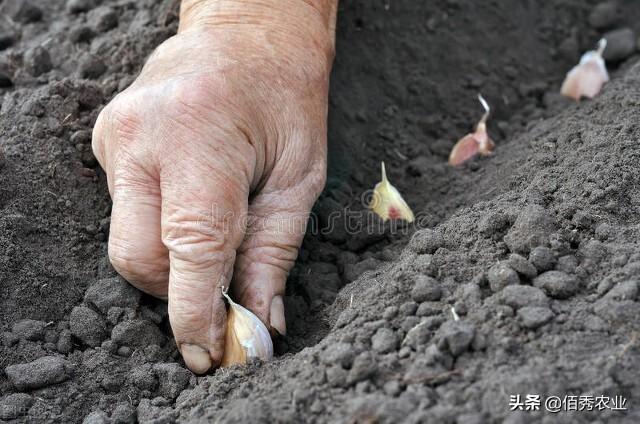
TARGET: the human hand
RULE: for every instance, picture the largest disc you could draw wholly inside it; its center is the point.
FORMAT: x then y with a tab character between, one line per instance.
214	157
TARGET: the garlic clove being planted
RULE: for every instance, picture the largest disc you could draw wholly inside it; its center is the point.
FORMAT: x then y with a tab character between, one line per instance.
387	202
475	143
587	77
246	336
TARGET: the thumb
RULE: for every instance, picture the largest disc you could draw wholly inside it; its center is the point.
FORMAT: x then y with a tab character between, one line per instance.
201	228
275	228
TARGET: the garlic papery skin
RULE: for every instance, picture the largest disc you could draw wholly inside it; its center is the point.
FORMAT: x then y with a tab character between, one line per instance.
387	202
587	78
477	142
246	336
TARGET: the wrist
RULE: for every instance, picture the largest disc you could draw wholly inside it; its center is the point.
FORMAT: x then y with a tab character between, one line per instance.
304	20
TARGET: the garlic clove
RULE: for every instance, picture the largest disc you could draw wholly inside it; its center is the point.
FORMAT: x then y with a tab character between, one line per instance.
466	148
477	142
587	78
246	336
387	202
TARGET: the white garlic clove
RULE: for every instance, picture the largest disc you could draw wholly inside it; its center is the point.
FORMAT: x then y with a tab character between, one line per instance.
475	143
246	336
588	77
387	202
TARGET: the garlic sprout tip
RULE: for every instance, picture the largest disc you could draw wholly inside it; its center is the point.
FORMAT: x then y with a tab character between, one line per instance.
484	103
602	45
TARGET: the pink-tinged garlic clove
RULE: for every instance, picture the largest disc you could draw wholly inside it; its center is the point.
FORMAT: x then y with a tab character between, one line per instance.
587	78
387	202
474	143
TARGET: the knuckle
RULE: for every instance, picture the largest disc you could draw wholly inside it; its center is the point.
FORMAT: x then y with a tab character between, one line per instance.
196	240
276	254
121	119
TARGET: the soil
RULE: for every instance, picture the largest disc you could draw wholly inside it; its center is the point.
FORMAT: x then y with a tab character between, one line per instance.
520	276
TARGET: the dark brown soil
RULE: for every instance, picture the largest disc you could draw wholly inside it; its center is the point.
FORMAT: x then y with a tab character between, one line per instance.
535	248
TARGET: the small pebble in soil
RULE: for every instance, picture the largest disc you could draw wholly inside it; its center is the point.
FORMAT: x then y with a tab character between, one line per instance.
124	351
384	341
123	413
456	336
542	258
518	296
15	405
102	19
407	309
501	275
97	417
9	339
87	325
42	372
64	344
111	383
426	289
137	333
21	11
29	329
153	353
37	61
148	412
91	67
621	43
173	379
108	292
364	366
109	346
143	378
626	290
617	311
522	266
534	316
50	335
557	284
390	312
532	228
429	309
604	15
417	336
341	354
567	263
336	376
426	241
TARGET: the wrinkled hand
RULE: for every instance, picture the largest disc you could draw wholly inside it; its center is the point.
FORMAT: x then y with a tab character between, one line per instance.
214	157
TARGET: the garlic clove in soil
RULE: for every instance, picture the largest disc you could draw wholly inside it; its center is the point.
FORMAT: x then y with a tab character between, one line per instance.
246	336
387	202
587	77
475	143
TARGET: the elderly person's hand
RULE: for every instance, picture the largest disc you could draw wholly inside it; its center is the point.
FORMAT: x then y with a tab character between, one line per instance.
214	157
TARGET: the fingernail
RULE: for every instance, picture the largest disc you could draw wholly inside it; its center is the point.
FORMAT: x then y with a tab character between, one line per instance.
276	315
196	358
